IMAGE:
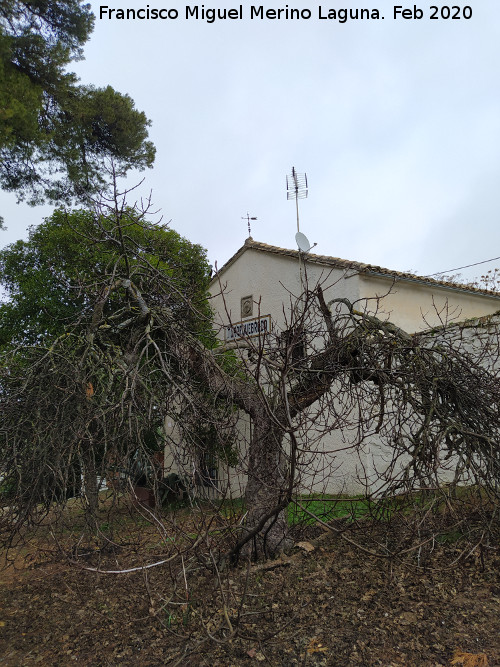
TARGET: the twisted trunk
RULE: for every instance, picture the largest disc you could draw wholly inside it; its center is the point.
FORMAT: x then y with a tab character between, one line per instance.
268	492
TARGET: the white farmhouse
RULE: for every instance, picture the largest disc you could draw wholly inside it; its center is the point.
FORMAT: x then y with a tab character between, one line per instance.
260	279
254	292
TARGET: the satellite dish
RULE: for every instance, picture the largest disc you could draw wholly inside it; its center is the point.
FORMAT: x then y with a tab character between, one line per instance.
302	242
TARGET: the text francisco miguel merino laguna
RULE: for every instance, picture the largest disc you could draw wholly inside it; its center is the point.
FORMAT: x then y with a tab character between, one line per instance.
210	15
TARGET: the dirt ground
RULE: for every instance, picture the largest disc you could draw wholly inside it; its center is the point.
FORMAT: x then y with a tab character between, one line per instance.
333	605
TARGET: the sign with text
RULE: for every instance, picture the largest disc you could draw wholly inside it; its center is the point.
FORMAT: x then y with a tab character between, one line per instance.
258	326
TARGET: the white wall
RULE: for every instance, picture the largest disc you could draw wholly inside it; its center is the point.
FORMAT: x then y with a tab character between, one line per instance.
416	306
274	281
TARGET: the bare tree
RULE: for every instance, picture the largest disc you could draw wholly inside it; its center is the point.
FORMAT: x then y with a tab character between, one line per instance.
431	401
427	403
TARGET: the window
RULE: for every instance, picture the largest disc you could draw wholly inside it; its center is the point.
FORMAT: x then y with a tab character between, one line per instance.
206	475
293	344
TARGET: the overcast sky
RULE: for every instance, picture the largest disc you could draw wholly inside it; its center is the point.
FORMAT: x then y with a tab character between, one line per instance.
396	122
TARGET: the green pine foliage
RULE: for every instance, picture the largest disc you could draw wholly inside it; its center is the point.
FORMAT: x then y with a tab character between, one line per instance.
57	135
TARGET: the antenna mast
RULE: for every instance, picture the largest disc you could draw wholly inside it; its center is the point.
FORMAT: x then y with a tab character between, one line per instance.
296	188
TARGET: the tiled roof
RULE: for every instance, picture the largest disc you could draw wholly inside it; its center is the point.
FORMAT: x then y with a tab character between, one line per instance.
358	267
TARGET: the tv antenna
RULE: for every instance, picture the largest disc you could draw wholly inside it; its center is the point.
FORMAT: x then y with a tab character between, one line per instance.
296	188
247	217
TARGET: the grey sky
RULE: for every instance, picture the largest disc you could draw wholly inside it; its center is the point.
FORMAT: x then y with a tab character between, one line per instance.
396	122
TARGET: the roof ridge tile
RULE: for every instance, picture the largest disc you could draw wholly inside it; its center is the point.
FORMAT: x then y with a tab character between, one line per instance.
362	267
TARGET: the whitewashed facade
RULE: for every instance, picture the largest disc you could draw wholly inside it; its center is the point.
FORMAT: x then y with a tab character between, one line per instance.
271	275
254	292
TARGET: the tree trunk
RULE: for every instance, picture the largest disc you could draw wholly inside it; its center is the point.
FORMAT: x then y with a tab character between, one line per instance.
267	493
